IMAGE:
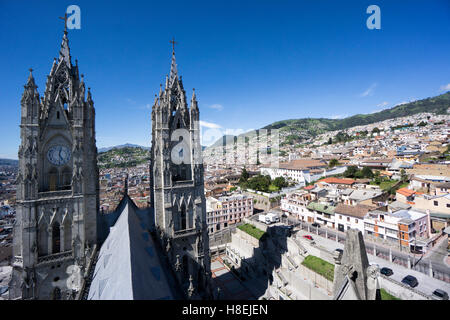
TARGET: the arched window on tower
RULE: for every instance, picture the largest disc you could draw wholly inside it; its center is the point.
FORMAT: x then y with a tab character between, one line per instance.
56	238
67	235
52	179
183	217
66	177
42	240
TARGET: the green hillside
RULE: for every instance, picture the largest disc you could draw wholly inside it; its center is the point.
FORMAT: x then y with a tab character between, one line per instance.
438	105
123	157
295	130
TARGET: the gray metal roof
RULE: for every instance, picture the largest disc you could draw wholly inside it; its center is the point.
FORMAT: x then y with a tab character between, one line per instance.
128	267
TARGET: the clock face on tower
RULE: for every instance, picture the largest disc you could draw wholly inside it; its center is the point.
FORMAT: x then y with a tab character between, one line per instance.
58	155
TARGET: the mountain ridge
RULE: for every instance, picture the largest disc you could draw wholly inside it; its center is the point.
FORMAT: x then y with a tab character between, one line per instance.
311	127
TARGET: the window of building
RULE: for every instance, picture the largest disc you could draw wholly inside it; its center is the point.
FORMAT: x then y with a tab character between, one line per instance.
435	203
348	219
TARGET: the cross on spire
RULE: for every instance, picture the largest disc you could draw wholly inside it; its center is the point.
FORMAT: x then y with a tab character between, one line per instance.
173	44
65	21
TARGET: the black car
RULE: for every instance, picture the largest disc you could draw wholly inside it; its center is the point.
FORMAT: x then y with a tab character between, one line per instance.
410	281
386	271
315	224
440	294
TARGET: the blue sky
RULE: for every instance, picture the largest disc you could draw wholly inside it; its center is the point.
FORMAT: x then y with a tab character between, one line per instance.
251	62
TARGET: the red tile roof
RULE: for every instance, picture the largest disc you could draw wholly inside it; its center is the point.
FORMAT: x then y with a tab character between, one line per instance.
406	192
334	180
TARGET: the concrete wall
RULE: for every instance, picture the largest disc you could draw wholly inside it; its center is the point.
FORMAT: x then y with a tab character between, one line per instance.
400	290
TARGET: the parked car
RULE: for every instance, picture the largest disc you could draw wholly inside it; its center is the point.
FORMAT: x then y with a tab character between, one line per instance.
440	294
340	250
315	224
386	271
410	281
308	237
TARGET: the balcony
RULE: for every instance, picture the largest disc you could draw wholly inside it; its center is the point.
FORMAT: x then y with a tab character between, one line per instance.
54	194
186	232
56	257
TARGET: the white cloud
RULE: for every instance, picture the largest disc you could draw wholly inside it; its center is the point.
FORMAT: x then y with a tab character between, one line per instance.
216	106
209	125
445	87
369	91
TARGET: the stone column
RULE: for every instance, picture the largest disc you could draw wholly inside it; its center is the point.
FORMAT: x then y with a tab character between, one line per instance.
409	262
326	234
374	250
390	255
337	237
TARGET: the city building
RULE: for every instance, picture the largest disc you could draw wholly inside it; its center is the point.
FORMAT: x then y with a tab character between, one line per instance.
227	210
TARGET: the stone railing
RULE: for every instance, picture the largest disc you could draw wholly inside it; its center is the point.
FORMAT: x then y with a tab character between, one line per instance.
186	232
52	194
55	257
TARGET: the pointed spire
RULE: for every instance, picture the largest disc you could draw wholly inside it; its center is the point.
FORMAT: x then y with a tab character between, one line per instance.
30	81
64	53
194	104
173	70
89	96
194	98
126	185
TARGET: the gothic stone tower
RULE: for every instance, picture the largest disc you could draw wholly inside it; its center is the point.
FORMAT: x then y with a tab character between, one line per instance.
176	173
57	185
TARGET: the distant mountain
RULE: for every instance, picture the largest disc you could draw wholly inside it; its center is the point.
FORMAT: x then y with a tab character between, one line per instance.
126	145
9	162
296	130
438	105
124	156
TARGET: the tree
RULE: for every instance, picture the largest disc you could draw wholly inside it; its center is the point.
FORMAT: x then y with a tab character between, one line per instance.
244	176
350	172
404	176
333	163
280	182
330	141
375	130
367	172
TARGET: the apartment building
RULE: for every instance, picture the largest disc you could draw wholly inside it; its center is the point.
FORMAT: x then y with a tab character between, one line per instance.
227	210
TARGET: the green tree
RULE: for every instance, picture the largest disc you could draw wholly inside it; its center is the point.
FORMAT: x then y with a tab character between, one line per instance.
350	172
280	182
330	141
367	172
333	163
403	175
244	176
